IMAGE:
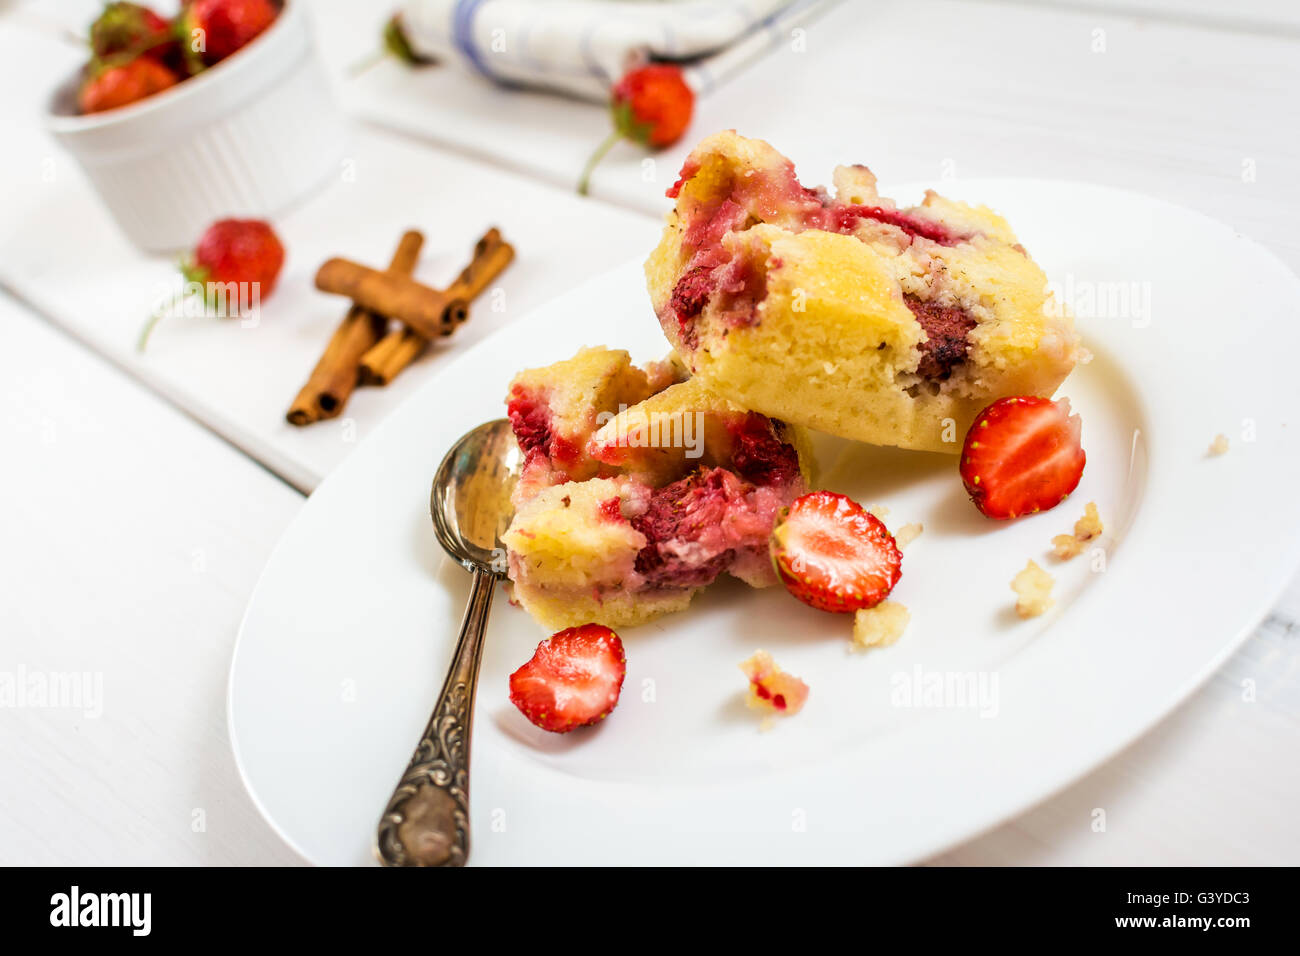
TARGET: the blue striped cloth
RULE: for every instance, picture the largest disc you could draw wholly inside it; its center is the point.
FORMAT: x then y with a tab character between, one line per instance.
581	47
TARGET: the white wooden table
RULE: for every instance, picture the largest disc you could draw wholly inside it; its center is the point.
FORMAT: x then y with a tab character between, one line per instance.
141	496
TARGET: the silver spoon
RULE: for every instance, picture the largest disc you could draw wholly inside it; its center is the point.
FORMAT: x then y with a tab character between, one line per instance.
427	820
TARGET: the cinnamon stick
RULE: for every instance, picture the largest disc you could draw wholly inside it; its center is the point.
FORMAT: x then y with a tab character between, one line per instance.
401	346
336	373
491	256
429	311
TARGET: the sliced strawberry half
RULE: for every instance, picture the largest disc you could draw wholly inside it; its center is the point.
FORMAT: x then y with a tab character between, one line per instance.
1022	456
574	679
832	554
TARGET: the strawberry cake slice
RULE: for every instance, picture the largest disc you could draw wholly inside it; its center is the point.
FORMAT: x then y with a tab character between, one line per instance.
625	512
846	313
556	410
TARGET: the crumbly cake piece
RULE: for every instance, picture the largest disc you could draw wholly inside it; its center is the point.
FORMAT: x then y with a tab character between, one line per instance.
907	534
555	410
771	689
624	514
1033	587
846	313
880	626
1066	546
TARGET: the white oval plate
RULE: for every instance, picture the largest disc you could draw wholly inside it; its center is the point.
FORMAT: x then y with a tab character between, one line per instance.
971	718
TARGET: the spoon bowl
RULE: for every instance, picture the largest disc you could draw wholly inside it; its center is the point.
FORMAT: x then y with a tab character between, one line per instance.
470	499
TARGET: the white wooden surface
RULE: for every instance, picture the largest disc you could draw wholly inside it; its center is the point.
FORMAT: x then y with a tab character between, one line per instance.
133	534
132	537
928	90
61	253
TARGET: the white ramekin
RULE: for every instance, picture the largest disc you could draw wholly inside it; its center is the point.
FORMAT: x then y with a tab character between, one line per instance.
249	136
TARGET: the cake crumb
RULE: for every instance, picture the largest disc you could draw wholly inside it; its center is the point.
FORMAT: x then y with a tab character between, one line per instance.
907	534
880	511
879	626
771	689
1066	546
1033	587
1219	446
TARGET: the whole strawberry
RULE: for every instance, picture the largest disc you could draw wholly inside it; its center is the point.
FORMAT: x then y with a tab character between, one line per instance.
110	87
129	30
213	29
651	105
235	262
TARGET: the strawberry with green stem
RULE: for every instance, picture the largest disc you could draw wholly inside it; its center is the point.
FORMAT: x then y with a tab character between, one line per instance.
211	30
245	252
109	87
128	30
394	43
651	105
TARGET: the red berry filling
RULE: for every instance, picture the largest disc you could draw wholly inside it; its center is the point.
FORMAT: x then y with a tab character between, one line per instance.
846	218
530	417
689	169
759	455
679	515
712	222
778	700
690	295
946	329
735	287
531	420
706	523
742	285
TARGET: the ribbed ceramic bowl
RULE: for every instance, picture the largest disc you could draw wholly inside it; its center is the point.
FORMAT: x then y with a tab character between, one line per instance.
249	136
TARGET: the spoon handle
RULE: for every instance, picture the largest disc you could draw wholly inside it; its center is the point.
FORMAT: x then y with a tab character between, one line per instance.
427	820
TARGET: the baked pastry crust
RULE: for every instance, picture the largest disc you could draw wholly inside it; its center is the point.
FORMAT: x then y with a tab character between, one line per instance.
625	512
847	314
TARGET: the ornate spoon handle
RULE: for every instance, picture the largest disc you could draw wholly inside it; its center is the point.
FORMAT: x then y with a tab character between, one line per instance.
427	820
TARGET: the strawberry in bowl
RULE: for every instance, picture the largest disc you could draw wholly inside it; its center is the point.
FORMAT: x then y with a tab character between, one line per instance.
110	87
144	129
214	29
129	30
136	52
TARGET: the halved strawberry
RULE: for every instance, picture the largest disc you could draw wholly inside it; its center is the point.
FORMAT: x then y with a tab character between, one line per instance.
1022	456
833	555
574	679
